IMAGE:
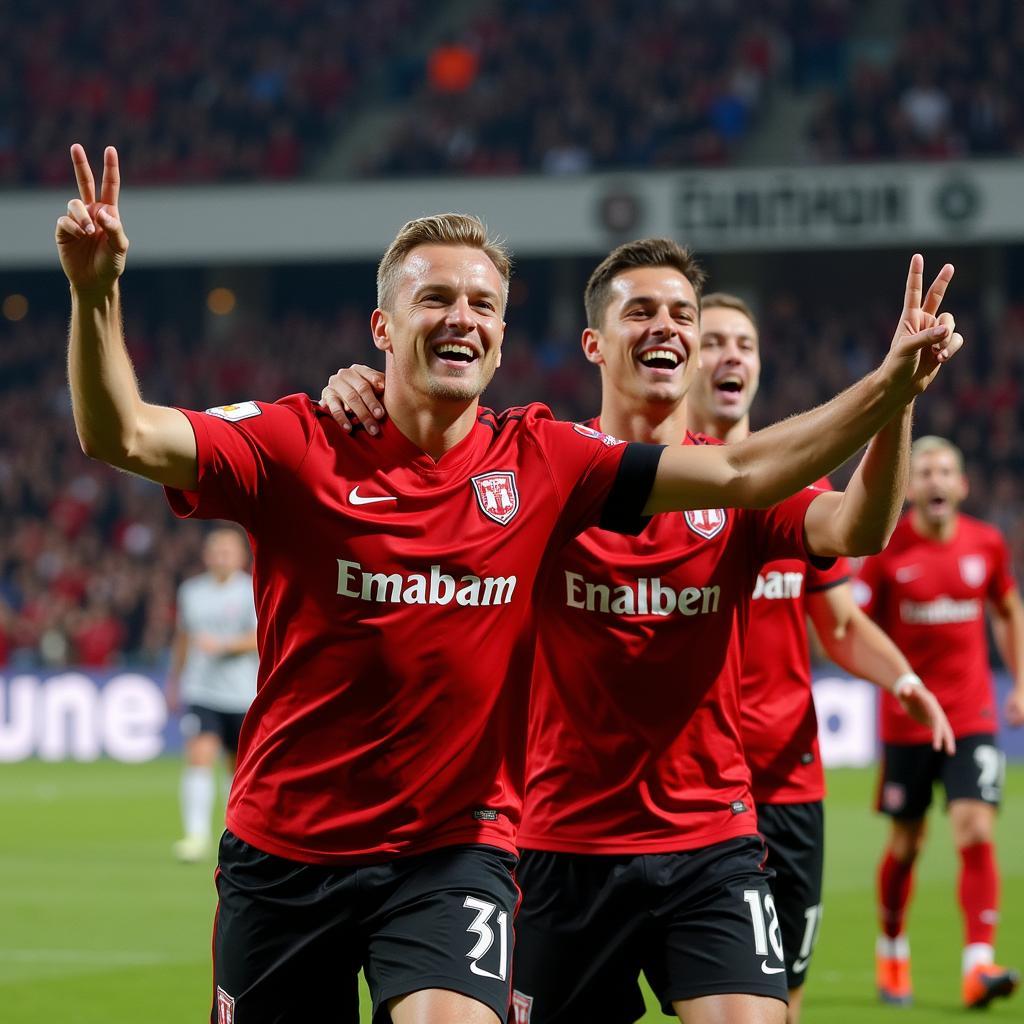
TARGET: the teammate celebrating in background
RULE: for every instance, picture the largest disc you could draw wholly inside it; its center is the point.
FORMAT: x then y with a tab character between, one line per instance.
213	670
779	724
928	590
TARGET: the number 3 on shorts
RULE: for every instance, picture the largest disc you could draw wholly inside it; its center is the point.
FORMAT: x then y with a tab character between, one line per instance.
764	932
485	937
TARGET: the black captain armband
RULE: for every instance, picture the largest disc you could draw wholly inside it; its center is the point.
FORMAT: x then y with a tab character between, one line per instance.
624	508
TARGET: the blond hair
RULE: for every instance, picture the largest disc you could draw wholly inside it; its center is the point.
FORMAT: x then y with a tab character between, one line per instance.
644	252
929	444
439	229
725	300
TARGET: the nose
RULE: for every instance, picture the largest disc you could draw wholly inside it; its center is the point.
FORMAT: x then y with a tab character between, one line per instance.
663	325
460	315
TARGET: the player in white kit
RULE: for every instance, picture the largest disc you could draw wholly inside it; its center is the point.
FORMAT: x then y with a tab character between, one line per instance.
212	678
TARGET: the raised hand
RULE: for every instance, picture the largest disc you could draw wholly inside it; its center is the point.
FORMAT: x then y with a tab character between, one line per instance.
354	389
924	339
90	237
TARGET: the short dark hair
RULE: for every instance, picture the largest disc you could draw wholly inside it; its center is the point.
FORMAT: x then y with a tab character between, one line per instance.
644	252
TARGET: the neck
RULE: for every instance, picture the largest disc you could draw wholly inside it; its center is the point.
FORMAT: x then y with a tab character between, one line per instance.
223	577
723	430
653	424
943	530
434	427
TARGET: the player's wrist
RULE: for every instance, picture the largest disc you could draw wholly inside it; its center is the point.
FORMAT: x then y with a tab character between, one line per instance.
911	679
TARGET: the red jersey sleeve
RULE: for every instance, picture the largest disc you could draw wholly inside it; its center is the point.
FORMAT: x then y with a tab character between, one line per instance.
599	480
824	579
240	449
781	529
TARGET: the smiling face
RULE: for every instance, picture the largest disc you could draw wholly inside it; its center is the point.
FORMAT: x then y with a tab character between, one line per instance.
443	334
730	373
646	344
937	485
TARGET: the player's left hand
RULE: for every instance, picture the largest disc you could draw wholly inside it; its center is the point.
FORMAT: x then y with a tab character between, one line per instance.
922	705
1015	708
354	389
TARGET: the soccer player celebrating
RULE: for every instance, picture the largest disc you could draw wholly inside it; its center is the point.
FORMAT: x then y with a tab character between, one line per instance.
641	848
779	725
213	667
929	590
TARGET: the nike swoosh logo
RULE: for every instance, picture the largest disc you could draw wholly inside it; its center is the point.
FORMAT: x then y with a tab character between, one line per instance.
357	499
907	573
771	970
800	965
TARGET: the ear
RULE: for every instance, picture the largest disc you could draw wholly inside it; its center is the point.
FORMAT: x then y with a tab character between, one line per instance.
501	343
591	342
379	330
965	486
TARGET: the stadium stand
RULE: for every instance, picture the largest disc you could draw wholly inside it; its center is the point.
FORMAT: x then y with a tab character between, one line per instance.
952	87
189	92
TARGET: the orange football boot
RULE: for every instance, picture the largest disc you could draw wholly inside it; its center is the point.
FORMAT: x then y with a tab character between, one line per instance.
987	982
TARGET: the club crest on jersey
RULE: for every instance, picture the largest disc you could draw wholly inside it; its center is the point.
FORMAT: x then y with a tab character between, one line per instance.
972	570
708	522
225	1007
234	413
497	495
582	428
522	1007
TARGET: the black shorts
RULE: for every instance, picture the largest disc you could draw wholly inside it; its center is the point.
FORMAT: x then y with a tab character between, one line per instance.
795	834
909	771
290	938
697	923
225	724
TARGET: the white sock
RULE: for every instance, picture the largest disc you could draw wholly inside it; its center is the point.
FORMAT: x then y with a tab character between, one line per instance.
977	953
197	790
897	948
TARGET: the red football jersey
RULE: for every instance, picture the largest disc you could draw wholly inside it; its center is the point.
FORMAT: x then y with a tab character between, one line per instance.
780	727
635	740
929	596
391	592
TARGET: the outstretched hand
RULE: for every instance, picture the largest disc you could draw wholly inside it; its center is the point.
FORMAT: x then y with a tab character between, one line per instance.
354	389
925	339
923	706
90	237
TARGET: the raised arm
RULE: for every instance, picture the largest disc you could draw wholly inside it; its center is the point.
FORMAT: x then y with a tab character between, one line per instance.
113	423
860	520
859	645
773	463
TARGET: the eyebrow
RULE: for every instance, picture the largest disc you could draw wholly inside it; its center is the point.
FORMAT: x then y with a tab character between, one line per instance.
448	289
638	300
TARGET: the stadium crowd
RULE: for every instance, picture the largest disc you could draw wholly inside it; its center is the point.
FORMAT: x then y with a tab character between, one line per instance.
191	91
90	559
953	87
263	89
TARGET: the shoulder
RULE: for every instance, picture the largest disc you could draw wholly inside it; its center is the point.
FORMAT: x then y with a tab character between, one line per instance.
255	415
978	528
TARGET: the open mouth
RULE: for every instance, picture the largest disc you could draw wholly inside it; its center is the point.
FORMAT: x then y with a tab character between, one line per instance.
455	353
937	503
729	386
660	359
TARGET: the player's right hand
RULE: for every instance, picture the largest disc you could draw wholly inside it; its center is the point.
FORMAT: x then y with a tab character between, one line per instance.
923	706
924	339
90	238
354	389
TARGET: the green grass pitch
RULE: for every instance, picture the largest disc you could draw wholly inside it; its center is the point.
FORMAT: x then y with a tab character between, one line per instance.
99	924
